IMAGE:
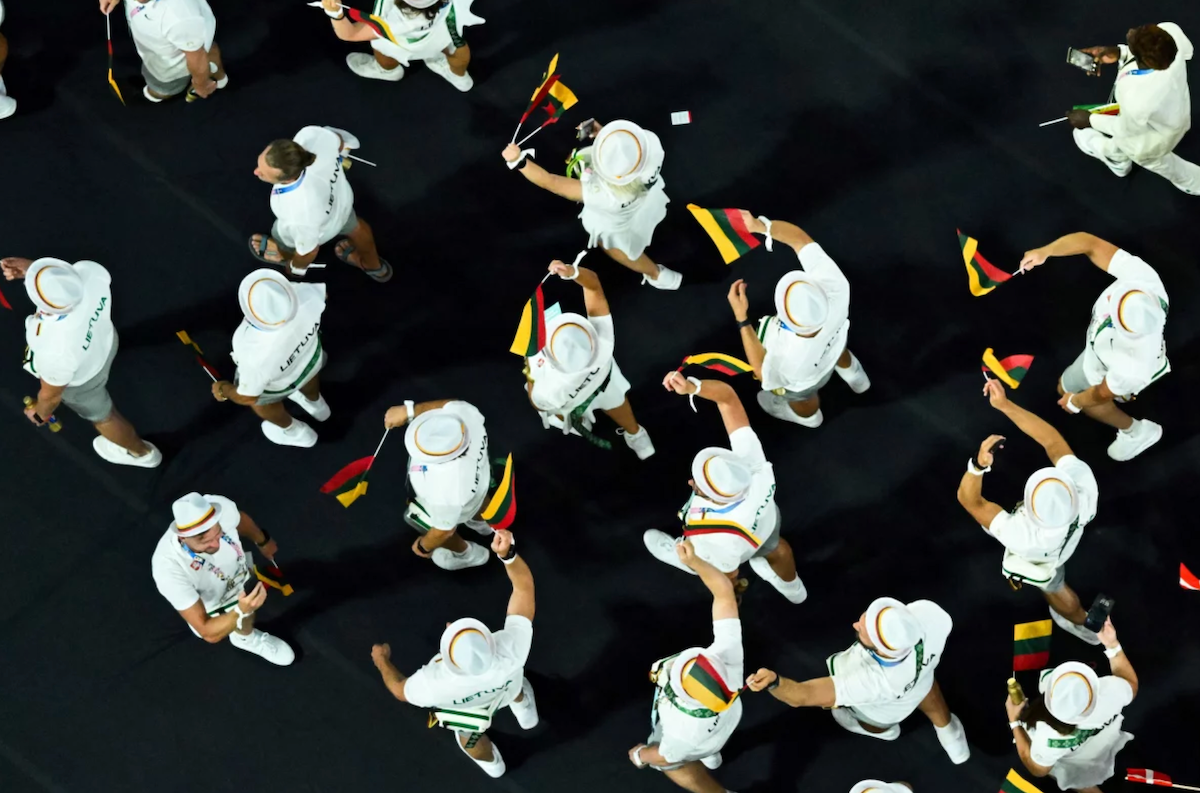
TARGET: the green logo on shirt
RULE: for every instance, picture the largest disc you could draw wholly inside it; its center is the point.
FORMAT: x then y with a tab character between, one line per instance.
95	317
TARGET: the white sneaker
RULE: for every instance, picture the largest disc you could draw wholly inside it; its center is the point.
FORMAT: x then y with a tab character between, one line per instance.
953	739
1084	138
712	762
263	644
662	547
667	279
525	711
297	434
855	376
441	67
318	408
480	527
224	81
846	721
474	556
639	442
778	407
122	456
1137	439
364	65
792	590
1091	637
495	767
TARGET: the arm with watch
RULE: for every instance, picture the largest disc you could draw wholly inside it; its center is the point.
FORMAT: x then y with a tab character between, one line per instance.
970	488
816	693
521	160
522	602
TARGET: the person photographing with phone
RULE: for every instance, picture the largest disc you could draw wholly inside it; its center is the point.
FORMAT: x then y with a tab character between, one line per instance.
1152	90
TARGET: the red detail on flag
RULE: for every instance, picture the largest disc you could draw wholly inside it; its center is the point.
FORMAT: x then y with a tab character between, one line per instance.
542	93
1187	579
1017	361
208	367
550	111
110	48
735	220
504	521
1147	777
1031	661
4	302
357	16
992	271
540	316
343	476
706	665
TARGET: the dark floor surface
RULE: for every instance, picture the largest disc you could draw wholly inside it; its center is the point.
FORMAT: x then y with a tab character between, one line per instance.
879	127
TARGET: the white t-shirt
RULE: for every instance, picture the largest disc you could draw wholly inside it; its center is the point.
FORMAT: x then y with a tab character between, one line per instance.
315	207
163	30
184	576
556	392
1128	365
452	493
793	362
888	694
434	686
273	361
1086	754
719	531
686	737
71	349
1022	536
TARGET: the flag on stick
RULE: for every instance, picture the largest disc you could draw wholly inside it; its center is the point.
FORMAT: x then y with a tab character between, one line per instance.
1011	371
727	230
1148	777
531	332
111	81
982	275
209	368
549	78
559	99
1111	109
502	509
718	362
1187	579
1013	783
1031	645
272	576
345	487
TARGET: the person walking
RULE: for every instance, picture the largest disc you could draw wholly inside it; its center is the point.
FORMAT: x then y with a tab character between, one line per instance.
176	41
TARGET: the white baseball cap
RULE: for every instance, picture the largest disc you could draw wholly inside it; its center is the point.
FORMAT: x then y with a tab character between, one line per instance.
54	286
620	152
268	299
1051	500
194	514
801	302
721	475
571	343
892	628
1070	691
436	436
468	647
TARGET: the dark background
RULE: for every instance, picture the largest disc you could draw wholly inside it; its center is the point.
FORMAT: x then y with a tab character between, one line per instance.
878	127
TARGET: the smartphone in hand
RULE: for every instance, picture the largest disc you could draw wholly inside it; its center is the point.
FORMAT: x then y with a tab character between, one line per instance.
1082	60
1097	615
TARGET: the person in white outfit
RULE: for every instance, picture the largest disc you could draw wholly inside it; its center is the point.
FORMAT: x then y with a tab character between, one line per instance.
205	572
621	188
478	671
1156	108
697	703
279	355
1124	351
448	475
883	677
71	344
175	39
875	786
1072	732
795	352
414	30
731	517
575	374
1042	532
8	105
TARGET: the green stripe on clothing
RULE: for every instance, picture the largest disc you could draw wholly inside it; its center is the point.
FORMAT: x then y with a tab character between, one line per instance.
312	362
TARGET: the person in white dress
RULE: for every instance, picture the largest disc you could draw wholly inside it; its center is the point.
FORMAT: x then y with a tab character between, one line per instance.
478	671
203	569
279	356
731	517
176	41
697	702
415	30
1072	732
621	188
8	105
881	679
575	374
449	473
1124	351
1156	107
1042	532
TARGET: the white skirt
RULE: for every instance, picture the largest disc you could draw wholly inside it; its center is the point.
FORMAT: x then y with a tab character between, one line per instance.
1075	773
628	231
611	397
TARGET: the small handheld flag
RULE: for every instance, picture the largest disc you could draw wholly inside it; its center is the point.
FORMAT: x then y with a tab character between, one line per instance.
718	362
351	482
375	23
501	511
1013	783
552	97
112	82
1011	371
1187	579
1112	109
272	576
982	275
1031	645
549	78
209	369
727	230
531	332
1148	777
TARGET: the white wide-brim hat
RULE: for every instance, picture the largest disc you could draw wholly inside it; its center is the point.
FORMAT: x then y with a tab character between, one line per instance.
268	299
1137	313
54	286
572	344
1070	691
422	3
892	628
621	152
721	475
194	514
1051	500
468	647
684	662
436	436
801	302
875	786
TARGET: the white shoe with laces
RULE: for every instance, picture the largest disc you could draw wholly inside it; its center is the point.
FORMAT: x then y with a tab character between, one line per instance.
953	739
364	65
667	279
441	67
475	556
525	711
297	434
846	721
122	456
1091	637
639	442
317	408
263	644
855	376
495	767
779	407
662	547
1140	436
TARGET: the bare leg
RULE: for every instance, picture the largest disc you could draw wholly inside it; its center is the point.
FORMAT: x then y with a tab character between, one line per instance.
806	408
459	60
478	745
872	728
214	57
275	413
934	706
118	430
363	240
384	61
642	264
844	360
3	51
694	776
623	415
452	541
782	561
312	389
1066	603
1106	413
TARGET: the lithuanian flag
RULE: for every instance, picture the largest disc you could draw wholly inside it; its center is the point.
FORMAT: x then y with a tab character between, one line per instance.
1011	370
703	684
350	482
272	576
1113	109
559	99
1031	645
502	509
548	81
1013	783
531	333
727	230
982	275
718	362
373	21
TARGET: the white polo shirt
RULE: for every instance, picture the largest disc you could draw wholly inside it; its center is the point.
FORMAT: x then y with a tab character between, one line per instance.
70	349
797	363
886	692
184	576
686	737
557	392
163	30
434	686
1128	365
726	535
451	493
1085	757
313	209
1023	537
277	361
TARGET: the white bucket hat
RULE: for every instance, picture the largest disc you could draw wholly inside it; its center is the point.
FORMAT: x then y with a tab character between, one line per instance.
892	628
875	786
1070	691
621	152
1137	313
468	647
695	687
436	436
54	286
267	299
801	302
571	343
1051	501
721	475
194	514
422	3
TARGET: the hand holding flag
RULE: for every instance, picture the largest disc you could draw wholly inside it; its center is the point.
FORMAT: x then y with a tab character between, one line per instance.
552	97
111	81
501	511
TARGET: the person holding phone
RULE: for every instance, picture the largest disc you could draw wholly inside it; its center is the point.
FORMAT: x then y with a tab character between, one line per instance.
1156	110
1072	732
1042	532
203	569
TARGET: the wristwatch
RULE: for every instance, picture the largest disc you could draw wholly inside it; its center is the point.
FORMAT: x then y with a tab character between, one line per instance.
775	683
266	538
745	323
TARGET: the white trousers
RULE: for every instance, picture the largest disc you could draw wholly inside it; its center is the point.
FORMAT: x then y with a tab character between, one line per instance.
1178	171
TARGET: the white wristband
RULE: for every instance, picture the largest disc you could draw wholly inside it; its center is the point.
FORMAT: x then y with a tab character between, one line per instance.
692	396
637	757
1112	652
1071	406
241	615
1012	725
410	408
971	469
524	153
766	222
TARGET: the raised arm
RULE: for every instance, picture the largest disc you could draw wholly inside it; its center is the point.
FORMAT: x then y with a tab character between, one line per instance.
398	416
970	488
732	412
1047	437
756	353
781	231
724	600
521	604
564	186
593	294
1119	662
343	27
1099	251
816	693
